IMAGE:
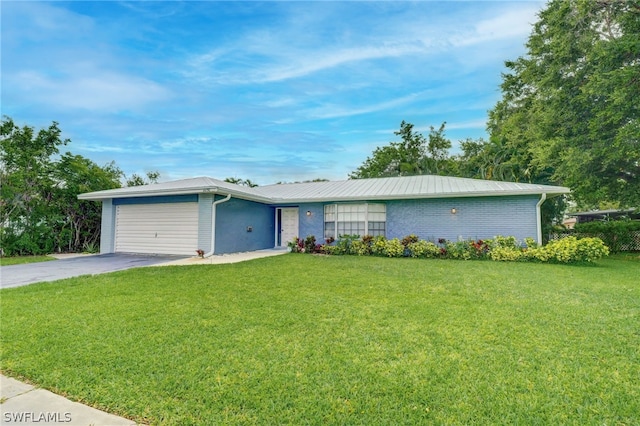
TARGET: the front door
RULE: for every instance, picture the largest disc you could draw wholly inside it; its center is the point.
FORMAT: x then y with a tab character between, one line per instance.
288	225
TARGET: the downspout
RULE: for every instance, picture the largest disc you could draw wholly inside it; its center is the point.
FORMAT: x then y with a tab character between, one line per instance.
539	217
213	224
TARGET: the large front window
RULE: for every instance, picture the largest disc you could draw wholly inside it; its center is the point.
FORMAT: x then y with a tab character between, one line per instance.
354	219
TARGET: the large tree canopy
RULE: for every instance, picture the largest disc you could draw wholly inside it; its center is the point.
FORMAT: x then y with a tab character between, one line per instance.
570	111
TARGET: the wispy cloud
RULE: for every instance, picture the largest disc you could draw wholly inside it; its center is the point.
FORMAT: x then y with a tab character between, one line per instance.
261	90
280	57
334	111
99	91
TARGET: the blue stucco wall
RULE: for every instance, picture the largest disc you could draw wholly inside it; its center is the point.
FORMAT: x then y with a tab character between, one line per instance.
475	218
205	210
107	227
313	224
233	217
431	219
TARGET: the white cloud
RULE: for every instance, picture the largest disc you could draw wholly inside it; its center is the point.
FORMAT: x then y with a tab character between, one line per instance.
511	23
319	61
269	56
108	91
43	21
335	111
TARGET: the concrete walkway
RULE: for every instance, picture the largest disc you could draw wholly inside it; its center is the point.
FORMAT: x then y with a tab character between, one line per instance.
22	404
226	258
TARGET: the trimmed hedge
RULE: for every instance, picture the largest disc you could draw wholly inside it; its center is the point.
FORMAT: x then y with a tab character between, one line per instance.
618	235
566	250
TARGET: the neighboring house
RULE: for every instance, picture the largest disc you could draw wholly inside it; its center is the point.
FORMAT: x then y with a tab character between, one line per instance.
605	215
217	217
569	222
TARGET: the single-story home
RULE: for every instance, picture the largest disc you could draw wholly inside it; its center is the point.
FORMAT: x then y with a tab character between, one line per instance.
202	213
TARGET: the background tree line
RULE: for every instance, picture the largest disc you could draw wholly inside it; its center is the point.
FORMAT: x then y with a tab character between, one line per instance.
39	209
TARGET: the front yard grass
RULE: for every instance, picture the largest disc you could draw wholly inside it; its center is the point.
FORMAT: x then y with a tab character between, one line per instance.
302	339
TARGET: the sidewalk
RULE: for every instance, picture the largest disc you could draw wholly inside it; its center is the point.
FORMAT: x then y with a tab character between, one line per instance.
22	404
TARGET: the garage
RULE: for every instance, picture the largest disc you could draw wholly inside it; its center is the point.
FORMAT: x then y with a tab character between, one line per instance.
163	228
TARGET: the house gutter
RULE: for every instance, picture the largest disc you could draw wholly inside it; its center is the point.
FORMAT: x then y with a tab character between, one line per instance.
213	224
539	217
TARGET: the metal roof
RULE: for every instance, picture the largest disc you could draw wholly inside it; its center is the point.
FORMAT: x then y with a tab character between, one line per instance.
198	185
405	187
603	213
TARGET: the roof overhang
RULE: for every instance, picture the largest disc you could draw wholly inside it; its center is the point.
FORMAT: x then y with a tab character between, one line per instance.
111	194
343	191
412	197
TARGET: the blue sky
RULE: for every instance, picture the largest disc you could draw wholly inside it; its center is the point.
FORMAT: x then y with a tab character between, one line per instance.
267	91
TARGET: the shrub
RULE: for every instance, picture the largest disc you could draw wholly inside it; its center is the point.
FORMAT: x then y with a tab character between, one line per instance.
618	235
329	249
591	249
563	250
505	254
536	254
310	244
505	242
566	250
393	248
343	245
423	248
413	238
480	249
378	245
368	239
296	245
360	248
530	243
573	250
458	250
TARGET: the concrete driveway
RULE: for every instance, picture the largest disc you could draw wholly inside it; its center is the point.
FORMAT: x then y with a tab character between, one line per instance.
19	275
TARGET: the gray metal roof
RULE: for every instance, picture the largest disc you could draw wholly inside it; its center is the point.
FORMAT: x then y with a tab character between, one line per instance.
406	187
198	185
603	212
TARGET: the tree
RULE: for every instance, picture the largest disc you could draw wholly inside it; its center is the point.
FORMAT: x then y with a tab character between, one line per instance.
491	160
570	113
39	209
413	155
27	185
303	181
243	182
78	224
137	180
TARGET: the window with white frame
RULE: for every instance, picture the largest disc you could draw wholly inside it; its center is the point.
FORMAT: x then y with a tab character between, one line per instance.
354	219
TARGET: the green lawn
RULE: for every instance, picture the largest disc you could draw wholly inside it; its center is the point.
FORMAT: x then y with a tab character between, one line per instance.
301	339
6	261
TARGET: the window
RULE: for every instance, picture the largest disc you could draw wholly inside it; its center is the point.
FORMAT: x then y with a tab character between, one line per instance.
354	219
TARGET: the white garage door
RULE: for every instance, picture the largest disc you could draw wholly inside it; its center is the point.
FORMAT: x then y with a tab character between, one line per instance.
157	228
